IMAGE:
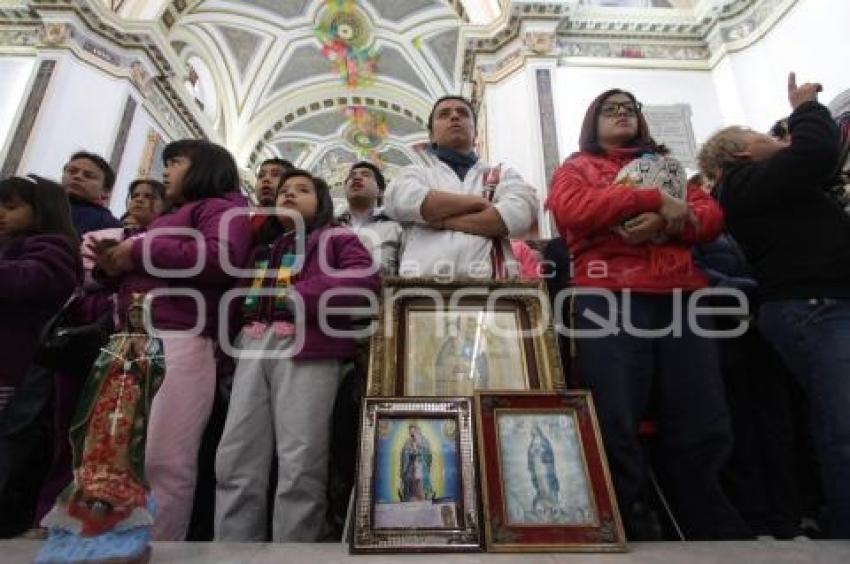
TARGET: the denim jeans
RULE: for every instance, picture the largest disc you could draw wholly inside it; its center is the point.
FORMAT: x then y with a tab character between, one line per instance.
680	377
813	338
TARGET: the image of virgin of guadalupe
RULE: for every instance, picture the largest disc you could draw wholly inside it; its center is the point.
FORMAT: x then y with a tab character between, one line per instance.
541	467
107	510
462	358
415	468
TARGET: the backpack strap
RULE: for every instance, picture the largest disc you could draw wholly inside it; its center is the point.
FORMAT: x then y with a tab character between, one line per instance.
492	178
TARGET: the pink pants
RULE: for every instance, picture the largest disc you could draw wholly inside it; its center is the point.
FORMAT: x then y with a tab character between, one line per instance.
178	417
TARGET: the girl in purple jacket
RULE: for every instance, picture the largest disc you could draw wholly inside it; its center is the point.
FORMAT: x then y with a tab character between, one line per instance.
189	259
39	269
289	366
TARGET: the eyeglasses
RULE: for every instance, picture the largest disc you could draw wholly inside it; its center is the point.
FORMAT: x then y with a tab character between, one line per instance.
611	109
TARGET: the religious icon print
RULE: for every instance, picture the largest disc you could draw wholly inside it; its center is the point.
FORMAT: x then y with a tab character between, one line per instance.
456	352
417	474
545	478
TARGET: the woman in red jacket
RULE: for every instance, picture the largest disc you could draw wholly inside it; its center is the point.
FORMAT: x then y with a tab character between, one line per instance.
632	251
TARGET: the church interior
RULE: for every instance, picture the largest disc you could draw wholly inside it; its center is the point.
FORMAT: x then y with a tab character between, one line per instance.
265	79
324	84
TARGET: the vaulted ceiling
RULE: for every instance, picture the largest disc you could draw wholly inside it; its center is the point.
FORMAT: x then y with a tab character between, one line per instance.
265	65
324	82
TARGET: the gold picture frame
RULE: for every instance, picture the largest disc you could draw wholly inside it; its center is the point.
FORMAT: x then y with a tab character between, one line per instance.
416	487
150	165
452	338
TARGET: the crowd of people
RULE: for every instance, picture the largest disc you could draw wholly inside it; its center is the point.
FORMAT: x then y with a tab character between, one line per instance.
238	291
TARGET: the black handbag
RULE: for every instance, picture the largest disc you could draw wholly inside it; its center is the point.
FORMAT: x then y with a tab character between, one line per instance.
70	347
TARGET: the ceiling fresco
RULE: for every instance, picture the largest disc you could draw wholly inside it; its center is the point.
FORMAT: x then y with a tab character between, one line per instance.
324	82
291	74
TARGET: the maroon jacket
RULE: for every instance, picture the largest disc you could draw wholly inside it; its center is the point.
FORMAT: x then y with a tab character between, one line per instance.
175	251
336	248
37	276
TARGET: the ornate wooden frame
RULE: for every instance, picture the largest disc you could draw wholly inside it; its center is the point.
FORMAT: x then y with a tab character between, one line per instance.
604	534
154	144
386	369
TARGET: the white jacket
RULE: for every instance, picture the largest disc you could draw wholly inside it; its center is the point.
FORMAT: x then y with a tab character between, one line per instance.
443	253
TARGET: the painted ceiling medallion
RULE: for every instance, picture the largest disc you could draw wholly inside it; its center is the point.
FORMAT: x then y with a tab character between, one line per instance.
367	130
346	38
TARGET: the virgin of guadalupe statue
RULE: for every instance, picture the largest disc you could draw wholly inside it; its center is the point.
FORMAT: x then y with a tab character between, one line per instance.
541	467
415	467
107	510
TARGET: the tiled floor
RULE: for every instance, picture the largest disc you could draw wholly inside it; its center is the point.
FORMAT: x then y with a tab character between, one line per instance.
757	552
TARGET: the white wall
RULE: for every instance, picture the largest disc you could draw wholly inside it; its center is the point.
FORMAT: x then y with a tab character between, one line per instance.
16	73
728	94
812	40
576	87
513	128
81	110
747	87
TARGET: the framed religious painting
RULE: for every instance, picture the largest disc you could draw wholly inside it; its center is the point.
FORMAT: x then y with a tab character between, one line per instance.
451	339
545	480
416	481
151	165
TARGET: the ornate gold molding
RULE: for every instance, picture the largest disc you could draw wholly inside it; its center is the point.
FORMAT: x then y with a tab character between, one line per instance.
79	27
670	38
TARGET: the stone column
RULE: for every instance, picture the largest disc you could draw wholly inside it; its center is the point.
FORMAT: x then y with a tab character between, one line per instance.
28	118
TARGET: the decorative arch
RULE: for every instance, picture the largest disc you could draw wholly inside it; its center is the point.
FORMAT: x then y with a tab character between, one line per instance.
266	87
187	45
840	104
290	121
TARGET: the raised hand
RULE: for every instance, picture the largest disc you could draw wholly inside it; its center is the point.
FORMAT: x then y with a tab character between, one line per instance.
110	256
799	95
120	256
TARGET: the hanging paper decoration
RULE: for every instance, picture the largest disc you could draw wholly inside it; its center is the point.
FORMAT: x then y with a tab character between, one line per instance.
345	37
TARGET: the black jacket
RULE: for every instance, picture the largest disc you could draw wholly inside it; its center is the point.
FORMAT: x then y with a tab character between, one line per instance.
794	235
90	217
